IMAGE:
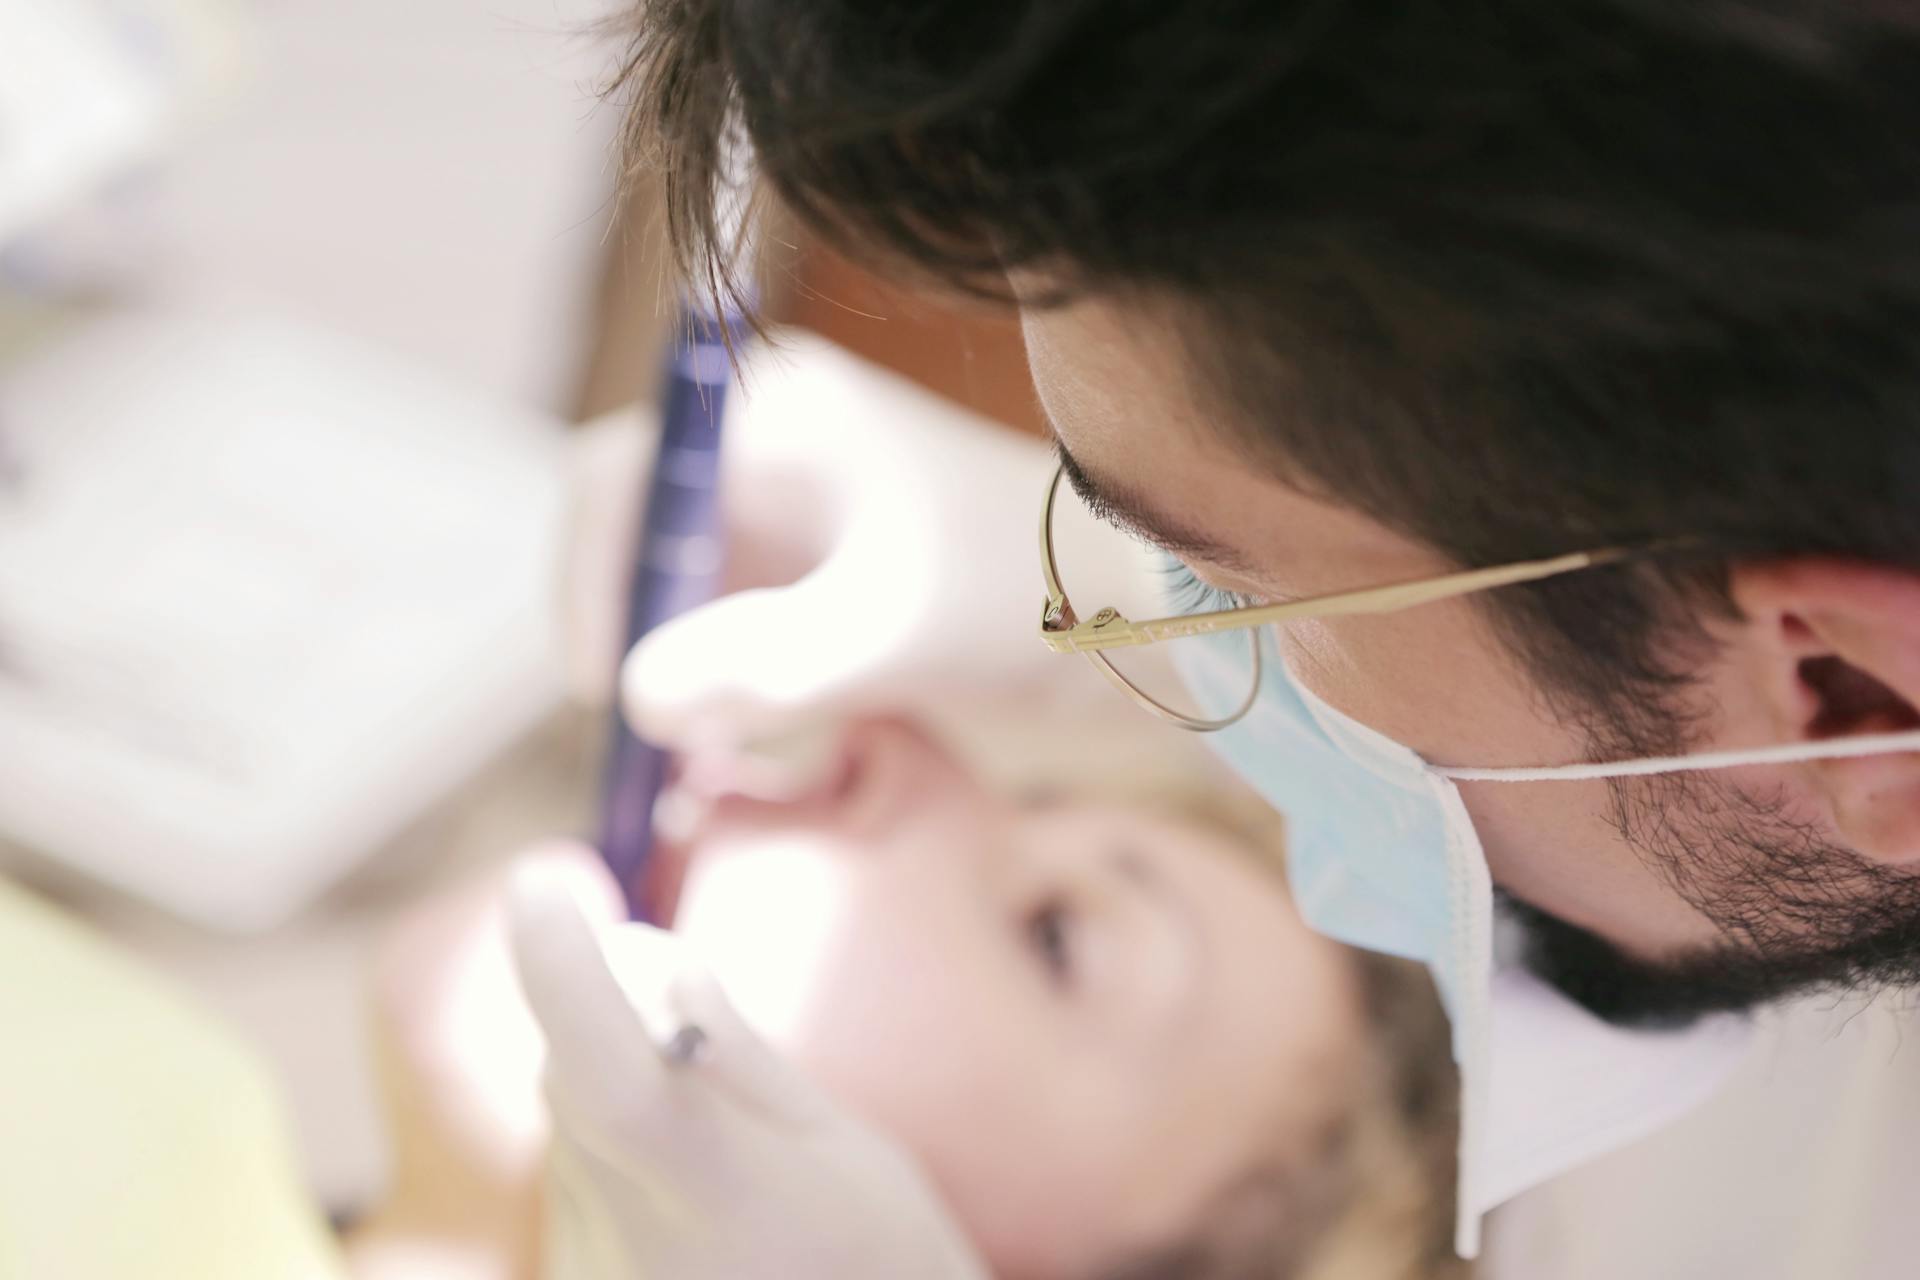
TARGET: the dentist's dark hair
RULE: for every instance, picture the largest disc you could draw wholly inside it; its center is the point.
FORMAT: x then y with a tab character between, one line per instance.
1516	278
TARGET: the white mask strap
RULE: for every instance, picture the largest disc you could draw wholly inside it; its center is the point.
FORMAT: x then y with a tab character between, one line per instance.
1871	744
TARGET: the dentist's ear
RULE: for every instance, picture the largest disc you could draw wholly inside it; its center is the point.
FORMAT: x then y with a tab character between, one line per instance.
1837	643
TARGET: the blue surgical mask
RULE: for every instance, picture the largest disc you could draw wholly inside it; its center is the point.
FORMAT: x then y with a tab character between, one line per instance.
1381	852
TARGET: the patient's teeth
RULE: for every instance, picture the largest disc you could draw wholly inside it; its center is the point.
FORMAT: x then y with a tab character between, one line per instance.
777	771
677	814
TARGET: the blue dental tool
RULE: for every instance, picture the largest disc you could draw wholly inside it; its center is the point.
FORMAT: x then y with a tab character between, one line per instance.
678	567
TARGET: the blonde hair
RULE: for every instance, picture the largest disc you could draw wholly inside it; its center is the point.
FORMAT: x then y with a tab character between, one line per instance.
1375	1200
1397	1157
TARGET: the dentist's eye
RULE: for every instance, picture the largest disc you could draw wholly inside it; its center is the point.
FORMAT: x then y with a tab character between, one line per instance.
1187	594
1049	933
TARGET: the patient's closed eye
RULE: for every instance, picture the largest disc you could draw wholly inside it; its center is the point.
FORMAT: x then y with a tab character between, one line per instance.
1049	932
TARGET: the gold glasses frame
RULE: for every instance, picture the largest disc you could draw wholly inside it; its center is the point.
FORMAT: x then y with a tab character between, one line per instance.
1062	630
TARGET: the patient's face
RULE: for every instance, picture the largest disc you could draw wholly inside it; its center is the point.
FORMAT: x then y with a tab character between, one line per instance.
1086	1021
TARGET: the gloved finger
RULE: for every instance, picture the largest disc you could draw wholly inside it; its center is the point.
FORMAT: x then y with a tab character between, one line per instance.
598	1047
579	867
454	1010
740	1065
647	963
755	662
731	1058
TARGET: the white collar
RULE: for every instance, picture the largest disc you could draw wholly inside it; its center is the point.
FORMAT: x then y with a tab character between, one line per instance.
1564	1087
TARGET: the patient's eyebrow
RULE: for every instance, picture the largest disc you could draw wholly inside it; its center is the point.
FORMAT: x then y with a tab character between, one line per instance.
1120	506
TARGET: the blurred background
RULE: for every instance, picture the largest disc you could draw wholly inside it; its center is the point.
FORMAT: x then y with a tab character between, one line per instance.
224	224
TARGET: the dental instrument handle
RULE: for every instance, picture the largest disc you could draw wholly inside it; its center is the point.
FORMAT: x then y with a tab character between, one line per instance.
677	568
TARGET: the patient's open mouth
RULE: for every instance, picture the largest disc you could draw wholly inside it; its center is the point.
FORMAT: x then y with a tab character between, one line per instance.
820	772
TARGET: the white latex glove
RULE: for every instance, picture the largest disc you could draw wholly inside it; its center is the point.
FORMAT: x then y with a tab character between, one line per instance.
724	1163
905	528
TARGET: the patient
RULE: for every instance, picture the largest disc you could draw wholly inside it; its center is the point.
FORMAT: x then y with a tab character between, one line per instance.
1095	1021
1100	1025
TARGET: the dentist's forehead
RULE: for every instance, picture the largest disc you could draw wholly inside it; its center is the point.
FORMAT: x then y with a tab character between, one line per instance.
1126	411
1127	428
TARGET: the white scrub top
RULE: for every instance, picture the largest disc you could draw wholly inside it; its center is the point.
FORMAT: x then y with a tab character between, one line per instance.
1803	1165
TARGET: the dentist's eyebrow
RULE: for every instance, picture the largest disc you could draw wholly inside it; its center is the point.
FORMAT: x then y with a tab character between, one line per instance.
1121	507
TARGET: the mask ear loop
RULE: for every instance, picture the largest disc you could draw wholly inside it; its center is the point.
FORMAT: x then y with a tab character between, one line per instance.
1870	744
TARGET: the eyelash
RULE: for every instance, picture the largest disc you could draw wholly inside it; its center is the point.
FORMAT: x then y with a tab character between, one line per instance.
1188	594
1049	932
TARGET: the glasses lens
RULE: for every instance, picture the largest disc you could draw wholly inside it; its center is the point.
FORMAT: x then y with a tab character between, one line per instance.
1101	567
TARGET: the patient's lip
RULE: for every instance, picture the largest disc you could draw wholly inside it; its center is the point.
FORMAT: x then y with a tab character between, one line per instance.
794	780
